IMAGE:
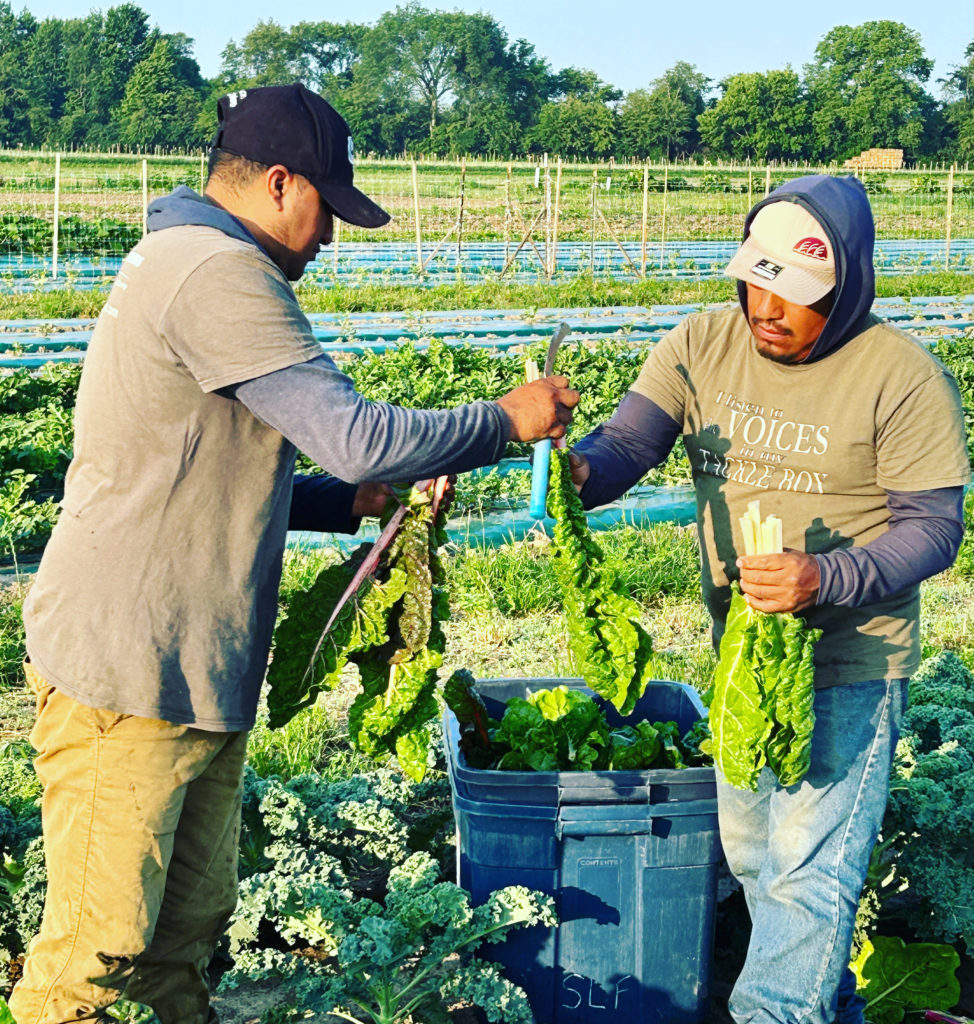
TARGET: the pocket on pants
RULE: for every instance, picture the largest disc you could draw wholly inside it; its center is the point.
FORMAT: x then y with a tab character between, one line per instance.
39	686
105	721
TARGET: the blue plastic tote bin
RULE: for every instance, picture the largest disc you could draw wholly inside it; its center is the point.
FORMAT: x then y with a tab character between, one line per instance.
631	859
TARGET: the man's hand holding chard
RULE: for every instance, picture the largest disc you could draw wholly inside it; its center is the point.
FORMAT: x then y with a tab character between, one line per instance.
784	582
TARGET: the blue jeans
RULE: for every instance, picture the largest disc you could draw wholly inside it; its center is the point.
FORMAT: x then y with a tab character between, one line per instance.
802	853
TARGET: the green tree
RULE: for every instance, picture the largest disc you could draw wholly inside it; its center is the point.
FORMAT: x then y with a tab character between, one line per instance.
866	86
662	121
958	89
575	127
16	32
760	116
159	108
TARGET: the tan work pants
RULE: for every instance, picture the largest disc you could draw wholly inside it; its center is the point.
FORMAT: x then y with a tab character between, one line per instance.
141	829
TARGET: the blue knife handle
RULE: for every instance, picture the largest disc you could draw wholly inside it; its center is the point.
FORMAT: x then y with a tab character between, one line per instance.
539	478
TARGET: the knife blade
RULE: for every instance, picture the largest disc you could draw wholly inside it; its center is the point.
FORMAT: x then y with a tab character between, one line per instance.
561	332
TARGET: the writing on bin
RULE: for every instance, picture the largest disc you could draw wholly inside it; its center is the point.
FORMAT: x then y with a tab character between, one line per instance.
589	993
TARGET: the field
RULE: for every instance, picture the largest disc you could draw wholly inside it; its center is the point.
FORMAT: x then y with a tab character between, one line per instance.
324	825
101	201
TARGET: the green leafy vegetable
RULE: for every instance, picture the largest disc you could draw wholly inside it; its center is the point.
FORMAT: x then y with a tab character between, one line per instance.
930	815
610	649
563	729
895	977
390	629
761	703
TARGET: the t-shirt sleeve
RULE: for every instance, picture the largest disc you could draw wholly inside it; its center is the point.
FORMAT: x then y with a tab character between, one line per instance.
920	443
663	377
235	317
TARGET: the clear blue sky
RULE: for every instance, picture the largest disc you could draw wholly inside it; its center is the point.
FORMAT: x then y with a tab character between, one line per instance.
626	42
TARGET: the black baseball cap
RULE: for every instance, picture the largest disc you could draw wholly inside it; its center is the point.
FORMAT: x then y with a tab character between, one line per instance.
293	126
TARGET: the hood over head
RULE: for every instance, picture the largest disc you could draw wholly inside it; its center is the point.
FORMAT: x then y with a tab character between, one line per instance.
841	207
183	206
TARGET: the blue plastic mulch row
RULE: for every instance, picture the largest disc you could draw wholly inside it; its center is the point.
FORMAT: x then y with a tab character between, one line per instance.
33	343
386	262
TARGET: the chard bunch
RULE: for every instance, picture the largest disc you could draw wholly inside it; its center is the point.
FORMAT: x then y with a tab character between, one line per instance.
609	648
561	729
390	629
761	702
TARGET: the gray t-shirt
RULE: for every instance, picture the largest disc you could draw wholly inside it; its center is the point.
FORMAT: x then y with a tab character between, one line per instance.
157	593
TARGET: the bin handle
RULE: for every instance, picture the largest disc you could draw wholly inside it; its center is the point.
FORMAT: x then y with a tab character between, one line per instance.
622	826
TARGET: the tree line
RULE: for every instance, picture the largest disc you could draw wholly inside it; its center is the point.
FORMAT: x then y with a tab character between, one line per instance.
446	82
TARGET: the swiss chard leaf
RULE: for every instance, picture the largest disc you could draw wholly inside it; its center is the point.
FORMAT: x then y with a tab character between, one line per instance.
761	705
609	647
895	977
390	629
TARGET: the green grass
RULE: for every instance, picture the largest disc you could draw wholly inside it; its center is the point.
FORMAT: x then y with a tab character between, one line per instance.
519	579
12	651
582	291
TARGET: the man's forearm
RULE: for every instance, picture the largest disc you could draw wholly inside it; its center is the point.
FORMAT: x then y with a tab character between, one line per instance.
925	531
317	409
638	437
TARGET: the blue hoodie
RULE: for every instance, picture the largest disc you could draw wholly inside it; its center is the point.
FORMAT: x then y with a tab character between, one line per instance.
183	207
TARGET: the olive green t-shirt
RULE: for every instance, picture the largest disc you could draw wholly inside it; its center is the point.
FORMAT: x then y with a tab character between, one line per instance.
818	444
157	592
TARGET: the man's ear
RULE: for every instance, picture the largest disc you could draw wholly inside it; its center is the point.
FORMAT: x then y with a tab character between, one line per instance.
277	180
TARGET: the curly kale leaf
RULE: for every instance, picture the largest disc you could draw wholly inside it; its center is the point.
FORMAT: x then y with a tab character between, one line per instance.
609	647
408	955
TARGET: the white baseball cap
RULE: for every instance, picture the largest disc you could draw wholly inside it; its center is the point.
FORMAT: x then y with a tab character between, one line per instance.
786	252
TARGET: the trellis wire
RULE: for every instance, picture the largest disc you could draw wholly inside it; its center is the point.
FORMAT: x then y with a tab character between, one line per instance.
58	207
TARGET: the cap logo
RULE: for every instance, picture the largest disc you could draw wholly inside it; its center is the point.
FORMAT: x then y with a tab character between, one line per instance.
766	269
814	248
351	150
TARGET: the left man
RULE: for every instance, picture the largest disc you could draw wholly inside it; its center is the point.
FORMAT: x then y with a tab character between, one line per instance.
150	620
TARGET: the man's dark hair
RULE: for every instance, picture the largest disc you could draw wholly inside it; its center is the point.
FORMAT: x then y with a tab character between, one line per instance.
233	172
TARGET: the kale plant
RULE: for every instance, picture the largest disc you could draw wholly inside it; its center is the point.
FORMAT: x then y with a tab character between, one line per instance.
930	816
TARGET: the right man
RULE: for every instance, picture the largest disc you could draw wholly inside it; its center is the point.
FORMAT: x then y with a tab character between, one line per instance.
853	434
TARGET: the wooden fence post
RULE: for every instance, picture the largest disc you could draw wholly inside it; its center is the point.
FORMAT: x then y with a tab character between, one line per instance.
554	233
645	232
595	206
950	216
419	230
57	212
463	190
145	197
507	214
662	233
